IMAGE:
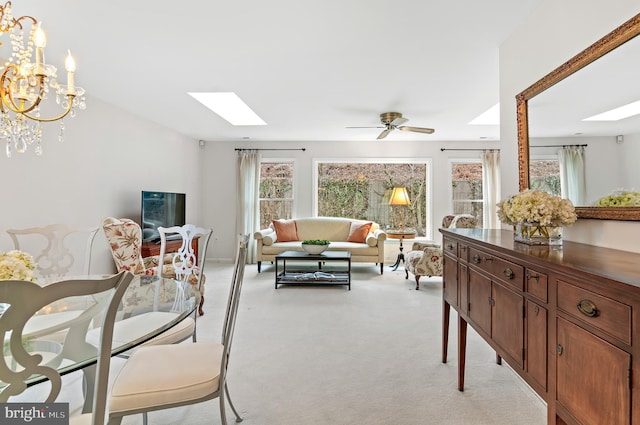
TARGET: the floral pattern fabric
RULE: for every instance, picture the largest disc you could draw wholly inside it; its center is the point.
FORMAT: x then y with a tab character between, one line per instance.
425	258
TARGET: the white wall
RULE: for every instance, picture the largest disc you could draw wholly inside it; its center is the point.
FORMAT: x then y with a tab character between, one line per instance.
555	32
220	180
108	157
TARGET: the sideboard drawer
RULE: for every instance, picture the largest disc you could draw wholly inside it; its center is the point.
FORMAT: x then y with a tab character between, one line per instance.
501	269
463	252
536	284
450	247
608	315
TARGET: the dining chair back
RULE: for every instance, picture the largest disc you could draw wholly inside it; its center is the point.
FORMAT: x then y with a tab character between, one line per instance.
27	355
151	380
58	249
185	265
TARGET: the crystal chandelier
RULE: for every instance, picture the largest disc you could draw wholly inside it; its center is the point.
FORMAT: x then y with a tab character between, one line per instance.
25	84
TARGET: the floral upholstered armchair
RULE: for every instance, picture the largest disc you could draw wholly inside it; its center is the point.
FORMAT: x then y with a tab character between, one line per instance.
425	258
125	240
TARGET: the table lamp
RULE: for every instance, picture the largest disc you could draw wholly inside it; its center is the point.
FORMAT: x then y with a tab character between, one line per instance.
400	198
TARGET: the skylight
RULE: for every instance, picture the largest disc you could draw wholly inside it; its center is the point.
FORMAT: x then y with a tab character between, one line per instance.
619	113
489	117
230	107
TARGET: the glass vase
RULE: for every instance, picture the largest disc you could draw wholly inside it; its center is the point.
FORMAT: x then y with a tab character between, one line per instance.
534	234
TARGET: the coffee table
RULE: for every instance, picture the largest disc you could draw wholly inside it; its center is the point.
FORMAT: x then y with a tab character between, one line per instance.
308	274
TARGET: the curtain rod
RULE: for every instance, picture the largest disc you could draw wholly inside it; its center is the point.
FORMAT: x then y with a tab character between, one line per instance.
273	149
484	150
558	146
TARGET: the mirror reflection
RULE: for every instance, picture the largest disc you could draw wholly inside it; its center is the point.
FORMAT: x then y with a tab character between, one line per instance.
586	161
590	162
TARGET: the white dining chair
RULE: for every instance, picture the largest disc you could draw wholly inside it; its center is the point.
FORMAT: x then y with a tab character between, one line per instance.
165	376
58	249
185	265
25	360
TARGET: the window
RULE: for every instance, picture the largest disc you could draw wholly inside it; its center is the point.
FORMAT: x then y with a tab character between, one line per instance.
466	188
276	191
362	190
544	174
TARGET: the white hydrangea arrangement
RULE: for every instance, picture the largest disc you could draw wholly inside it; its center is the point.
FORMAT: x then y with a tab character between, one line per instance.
17	265
538	208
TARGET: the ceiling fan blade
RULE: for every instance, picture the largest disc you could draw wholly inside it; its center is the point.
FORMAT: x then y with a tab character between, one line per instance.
384	134
417	129
378	126
398	121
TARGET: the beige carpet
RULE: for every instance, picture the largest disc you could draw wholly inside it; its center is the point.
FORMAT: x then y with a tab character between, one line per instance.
369	356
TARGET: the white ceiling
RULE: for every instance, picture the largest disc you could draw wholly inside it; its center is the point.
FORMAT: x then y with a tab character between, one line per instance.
308	68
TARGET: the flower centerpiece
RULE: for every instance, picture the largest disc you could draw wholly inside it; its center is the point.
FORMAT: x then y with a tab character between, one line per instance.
537	216
17	265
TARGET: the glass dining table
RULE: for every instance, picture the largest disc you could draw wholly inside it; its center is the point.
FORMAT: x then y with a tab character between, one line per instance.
66	332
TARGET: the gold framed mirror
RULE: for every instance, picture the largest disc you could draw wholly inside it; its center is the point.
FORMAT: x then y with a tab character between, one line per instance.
602	47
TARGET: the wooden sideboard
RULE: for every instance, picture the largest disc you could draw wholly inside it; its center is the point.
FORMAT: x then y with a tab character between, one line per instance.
564	318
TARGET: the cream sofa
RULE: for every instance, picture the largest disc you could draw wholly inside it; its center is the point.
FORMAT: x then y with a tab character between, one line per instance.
334	229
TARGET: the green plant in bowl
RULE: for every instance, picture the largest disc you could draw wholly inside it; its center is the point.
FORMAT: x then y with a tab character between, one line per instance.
315	246
315	242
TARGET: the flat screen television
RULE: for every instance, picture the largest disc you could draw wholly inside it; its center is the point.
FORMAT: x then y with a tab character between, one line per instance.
161	209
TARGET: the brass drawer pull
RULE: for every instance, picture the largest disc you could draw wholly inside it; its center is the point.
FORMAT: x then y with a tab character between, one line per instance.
508	273
559	349
476	259
588	308
533	276
450	247
536	310
488	260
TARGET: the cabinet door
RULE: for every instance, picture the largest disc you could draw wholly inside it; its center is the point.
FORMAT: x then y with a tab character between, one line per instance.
463	287
592	377
507	322
536	344
450	280
480	301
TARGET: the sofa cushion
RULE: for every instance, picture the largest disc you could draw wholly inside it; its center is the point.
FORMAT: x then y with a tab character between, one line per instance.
329	228
372	240
356	249
286	230
359	232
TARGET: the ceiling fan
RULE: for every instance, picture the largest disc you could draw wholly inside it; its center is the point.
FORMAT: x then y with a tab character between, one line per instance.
394	120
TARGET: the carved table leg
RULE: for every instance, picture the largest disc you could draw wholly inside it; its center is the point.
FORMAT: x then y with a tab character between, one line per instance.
200	310
462	351
445	329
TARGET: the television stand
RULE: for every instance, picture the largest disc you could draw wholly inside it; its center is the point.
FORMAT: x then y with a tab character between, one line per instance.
151	248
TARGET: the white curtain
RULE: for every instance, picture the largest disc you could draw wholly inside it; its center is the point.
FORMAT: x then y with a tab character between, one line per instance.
248	207
572	179
490	188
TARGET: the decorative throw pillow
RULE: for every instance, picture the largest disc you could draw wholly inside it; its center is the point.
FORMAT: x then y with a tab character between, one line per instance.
286	230
359	232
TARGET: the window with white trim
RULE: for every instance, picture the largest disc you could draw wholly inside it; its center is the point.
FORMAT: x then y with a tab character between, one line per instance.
276	191
466	188
361	190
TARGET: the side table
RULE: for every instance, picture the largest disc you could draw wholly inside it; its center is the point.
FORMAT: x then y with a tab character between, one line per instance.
402	235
